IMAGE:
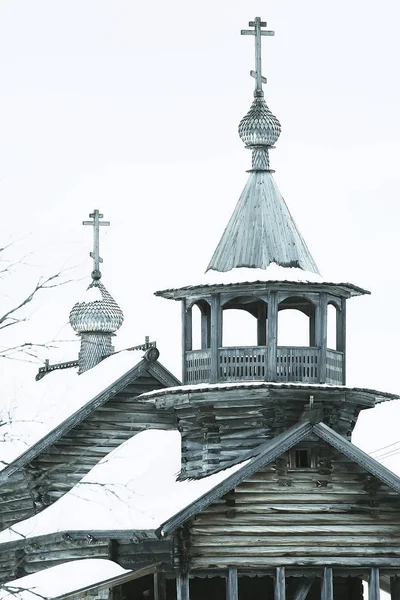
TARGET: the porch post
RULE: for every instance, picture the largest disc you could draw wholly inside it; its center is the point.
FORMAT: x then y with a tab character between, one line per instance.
232	585
182	585
186	336
280	584
327	585
374	592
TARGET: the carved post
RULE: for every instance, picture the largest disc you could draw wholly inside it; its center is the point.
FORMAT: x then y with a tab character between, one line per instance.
327	585
232	585
341	337
205	327
374	592
216	335
280	584
182	585
272	335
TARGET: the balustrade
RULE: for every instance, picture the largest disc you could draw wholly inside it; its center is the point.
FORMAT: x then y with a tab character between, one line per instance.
250	363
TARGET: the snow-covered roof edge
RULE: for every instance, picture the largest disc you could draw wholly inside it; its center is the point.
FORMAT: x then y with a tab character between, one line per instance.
199	387
115	386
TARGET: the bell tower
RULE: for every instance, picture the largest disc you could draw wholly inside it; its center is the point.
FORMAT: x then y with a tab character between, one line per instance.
263	266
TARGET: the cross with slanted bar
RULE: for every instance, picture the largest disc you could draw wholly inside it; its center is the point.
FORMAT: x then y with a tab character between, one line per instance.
96	223
257	32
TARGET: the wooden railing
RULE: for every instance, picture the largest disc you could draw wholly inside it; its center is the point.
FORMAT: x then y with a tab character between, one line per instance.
198	366
243	363
250	363
334	367
295	363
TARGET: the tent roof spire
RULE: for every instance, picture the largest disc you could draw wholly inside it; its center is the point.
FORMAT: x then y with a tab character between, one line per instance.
261	230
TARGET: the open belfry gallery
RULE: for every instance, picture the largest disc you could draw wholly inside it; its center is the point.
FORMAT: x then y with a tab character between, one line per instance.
241	481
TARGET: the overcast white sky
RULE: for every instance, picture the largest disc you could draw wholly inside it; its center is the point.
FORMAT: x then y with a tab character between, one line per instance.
133	108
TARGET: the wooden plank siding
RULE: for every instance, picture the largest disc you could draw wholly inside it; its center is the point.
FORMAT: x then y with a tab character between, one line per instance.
283	516
58	468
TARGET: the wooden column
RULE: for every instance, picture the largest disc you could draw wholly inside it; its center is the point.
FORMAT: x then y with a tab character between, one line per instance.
232	588
272	334
395	588
261	324
374	592
341	337
321	334
327	585
182	586
280	584
216	336
160	590
186	335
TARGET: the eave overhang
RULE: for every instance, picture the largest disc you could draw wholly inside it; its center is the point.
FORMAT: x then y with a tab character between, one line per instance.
342	290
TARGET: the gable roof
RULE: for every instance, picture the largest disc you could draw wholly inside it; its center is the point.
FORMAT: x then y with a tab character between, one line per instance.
268	452
112	501
261	231
64	399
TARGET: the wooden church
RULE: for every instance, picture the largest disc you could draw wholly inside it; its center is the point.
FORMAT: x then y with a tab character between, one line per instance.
241	483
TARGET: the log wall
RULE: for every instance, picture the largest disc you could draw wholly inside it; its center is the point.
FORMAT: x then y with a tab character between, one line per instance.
334	514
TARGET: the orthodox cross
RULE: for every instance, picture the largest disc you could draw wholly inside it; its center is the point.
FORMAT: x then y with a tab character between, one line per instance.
96	223
257	32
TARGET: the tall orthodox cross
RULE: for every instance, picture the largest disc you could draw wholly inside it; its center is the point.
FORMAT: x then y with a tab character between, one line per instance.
96	223
257	32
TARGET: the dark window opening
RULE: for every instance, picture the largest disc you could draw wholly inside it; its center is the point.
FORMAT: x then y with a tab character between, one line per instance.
302	459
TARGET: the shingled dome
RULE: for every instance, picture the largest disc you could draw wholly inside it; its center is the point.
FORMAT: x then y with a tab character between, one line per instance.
259	126
97	312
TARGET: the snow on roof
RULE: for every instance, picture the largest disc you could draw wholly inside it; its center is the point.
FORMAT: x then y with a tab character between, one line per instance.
62	579
43	405
133	488
273	272
182	389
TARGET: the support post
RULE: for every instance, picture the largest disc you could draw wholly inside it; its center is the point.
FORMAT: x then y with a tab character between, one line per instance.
261	324
186	336
374	592
272	335
395	588
341	342
216	335
322	334
182	585
280	584
327	585
232	588
160	590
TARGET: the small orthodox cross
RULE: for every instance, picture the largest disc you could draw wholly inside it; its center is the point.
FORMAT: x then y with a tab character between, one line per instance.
96	223
257	32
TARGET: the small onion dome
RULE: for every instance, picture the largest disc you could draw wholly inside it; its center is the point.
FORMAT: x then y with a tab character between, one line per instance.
259	127
97	311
